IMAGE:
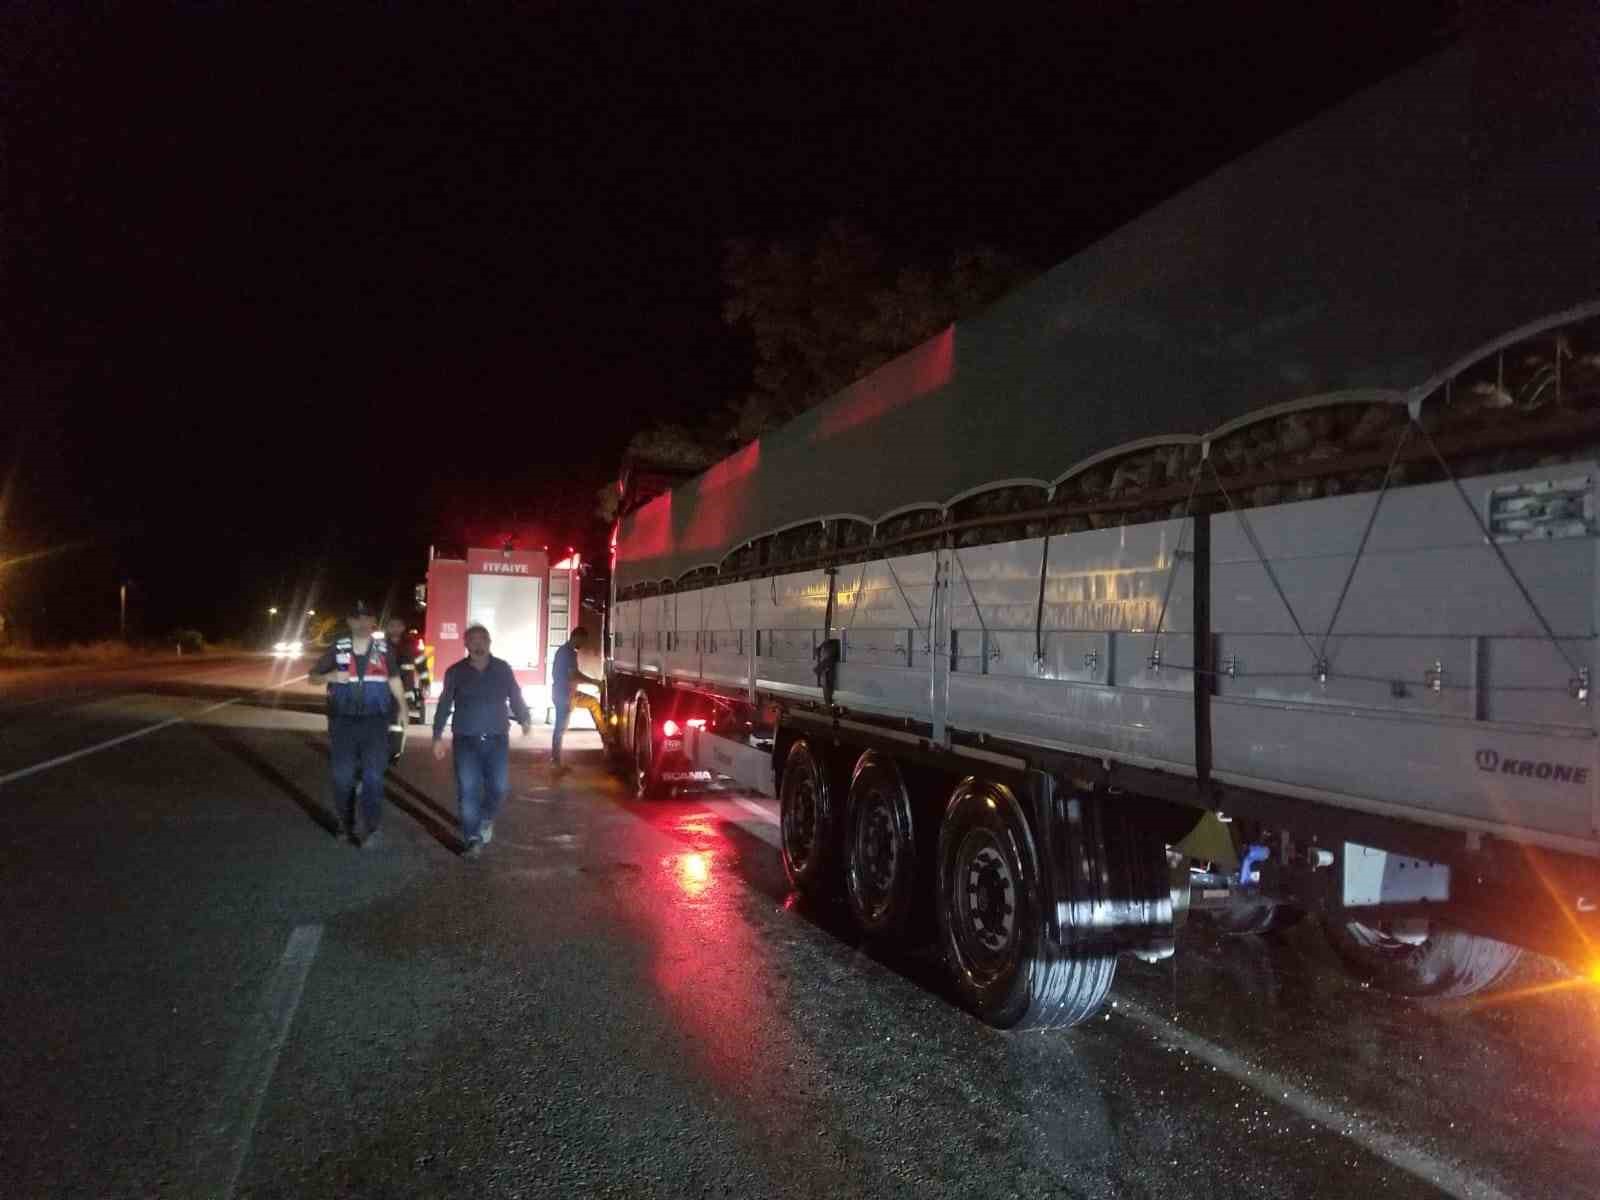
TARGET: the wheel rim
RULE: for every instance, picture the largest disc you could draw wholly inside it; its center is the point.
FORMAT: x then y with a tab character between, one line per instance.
876	858
800	821
643	749
985	905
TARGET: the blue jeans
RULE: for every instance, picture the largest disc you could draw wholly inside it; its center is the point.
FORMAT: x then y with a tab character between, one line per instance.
564	714
360	746
483	776
558	731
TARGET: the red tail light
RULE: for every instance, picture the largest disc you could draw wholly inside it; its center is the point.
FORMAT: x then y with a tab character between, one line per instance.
669	728
696	722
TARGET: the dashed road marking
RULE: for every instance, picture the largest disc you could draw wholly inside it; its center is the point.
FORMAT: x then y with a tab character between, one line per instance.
62	759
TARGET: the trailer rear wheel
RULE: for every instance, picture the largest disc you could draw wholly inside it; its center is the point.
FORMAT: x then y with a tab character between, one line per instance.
1420	959
646	786
881	848
992	922
806	819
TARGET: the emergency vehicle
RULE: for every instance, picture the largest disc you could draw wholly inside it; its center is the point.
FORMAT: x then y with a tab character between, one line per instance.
527	602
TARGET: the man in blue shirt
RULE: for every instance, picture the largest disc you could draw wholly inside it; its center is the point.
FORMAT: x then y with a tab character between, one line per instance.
479	689
565	696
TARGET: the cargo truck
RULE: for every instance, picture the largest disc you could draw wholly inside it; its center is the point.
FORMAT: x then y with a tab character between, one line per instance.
1246	560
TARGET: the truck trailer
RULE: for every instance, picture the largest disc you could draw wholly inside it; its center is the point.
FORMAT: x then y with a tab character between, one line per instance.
1247	560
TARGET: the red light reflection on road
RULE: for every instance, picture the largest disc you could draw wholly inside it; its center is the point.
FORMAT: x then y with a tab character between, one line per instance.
694	873
713	974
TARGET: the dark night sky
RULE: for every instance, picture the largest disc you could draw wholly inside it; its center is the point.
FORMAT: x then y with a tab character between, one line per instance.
290	295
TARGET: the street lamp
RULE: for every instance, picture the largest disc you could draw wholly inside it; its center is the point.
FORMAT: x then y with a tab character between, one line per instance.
311	612
272	612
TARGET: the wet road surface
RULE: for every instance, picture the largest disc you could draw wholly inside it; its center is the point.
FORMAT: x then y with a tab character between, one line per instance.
206	995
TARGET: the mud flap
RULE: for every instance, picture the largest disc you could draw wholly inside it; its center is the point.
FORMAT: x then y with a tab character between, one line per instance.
1108	885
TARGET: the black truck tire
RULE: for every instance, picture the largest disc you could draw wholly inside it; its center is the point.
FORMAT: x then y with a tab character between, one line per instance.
807	820
1448	965
646	783
992	923
880	848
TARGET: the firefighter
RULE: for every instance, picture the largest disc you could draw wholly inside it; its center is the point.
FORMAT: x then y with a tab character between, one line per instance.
565	696
394	632
363	680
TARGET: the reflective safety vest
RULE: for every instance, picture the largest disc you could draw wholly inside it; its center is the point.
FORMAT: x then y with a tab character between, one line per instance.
367	693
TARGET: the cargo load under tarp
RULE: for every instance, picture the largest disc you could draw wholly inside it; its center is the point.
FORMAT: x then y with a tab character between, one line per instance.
1364	256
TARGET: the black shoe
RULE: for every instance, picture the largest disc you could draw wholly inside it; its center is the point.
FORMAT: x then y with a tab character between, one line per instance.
473	850
343	833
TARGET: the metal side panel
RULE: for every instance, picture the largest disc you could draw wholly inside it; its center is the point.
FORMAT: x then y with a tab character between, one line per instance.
652	638
625	635
1449	772
884	618
682	654
1426	566
739	761
727	630
1140	727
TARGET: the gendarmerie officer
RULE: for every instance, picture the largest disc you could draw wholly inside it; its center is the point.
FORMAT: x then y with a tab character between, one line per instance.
363	680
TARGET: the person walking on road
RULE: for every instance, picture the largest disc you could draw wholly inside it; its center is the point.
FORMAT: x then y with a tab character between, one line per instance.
478	691
565	696
394	632
363	681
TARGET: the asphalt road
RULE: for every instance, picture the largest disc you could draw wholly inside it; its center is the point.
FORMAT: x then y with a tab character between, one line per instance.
205	994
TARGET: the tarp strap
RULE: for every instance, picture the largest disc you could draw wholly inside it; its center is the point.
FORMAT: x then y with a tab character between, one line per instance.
1372	519
1488	537
906	599
855	603
1249	533
973	596
1038	612
1177	558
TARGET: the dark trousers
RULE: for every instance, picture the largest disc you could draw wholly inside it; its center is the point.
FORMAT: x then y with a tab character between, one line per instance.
360	749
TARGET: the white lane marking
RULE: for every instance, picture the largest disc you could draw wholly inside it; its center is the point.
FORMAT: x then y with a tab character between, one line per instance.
760	810
24	772
763	832
1445	1176
252	1063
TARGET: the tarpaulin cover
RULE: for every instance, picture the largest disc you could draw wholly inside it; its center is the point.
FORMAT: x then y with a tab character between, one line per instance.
1373	249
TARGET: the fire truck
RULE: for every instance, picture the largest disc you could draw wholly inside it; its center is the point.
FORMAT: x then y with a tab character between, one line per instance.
527	602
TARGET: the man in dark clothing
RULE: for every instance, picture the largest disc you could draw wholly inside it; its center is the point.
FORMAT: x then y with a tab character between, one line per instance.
565	696
394	632
479	690
363	681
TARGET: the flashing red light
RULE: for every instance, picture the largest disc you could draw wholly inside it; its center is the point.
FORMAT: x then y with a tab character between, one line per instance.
669	728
